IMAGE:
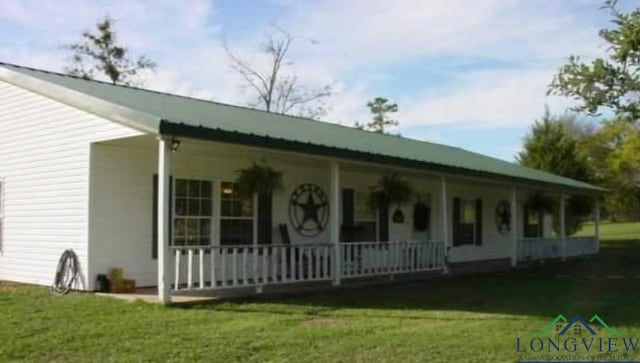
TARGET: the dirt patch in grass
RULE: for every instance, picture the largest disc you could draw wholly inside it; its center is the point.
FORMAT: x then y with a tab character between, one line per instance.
8	286
323	322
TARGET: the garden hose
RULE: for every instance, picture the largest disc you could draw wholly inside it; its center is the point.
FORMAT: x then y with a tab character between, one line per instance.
66	273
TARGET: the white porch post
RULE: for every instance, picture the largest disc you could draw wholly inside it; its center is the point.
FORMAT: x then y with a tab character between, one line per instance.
445	220
334	221
597	224
514	227
164	171
563	228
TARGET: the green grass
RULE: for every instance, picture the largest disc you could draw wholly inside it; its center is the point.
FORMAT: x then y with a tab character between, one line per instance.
472	319
613	231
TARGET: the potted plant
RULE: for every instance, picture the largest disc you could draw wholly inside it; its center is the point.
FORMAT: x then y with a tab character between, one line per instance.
259	179
390	190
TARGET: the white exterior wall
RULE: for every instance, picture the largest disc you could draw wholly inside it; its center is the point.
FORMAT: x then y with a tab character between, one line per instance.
44	161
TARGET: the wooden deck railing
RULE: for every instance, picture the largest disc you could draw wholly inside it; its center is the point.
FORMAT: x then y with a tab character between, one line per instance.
381	258
218	267
549	248
212	267
582	246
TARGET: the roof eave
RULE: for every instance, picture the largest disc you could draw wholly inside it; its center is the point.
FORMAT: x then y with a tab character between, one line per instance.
125	116
199	132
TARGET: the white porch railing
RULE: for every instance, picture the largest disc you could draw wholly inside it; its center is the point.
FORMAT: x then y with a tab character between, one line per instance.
539	248
381	258
582	246
218	267
548	248
214	267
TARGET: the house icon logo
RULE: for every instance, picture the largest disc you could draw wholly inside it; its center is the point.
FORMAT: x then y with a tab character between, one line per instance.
578	340
562	326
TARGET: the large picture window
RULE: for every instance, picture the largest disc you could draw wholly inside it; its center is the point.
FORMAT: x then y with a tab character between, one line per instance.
236	216
192	212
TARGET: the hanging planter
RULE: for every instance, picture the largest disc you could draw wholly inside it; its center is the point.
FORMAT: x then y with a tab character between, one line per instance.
540	202
259	179
390	190
398	216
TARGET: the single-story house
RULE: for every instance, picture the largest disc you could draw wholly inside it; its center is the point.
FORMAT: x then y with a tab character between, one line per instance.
146	181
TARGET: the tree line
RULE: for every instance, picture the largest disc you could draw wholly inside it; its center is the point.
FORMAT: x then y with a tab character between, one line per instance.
606	153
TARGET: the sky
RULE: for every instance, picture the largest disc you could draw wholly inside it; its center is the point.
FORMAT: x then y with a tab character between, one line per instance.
465	73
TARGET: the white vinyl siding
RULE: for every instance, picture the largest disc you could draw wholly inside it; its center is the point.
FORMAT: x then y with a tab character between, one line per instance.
44	161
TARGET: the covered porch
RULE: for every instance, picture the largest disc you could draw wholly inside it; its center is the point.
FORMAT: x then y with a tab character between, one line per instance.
349	244
336	261
215	243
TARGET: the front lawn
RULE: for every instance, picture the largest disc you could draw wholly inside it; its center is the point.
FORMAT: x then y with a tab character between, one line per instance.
619	231
473	319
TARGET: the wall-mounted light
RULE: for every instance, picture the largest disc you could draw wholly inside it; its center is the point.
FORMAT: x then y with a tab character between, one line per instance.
175	144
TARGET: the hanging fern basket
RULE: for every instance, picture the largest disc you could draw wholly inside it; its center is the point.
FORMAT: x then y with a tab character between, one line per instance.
259	179
391	189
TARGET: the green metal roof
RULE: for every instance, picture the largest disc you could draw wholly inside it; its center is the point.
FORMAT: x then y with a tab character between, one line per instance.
156	112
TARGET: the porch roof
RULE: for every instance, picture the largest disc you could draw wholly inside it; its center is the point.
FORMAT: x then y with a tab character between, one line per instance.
163	113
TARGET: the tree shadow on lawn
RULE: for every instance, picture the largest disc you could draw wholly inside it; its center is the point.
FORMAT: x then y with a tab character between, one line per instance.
605	284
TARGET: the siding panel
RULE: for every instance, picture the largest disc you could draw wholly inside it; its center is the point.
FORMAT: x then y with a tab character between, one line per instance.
44	160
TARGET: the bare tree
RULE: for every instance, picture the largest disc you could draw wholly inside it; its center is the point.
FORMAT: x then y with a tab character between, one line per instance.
278	88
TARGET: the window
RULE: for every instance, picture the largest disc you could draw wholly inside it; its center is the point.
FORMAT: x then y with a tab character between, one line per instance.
532	223
467	222
365	217
236	216
192	207
468	212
